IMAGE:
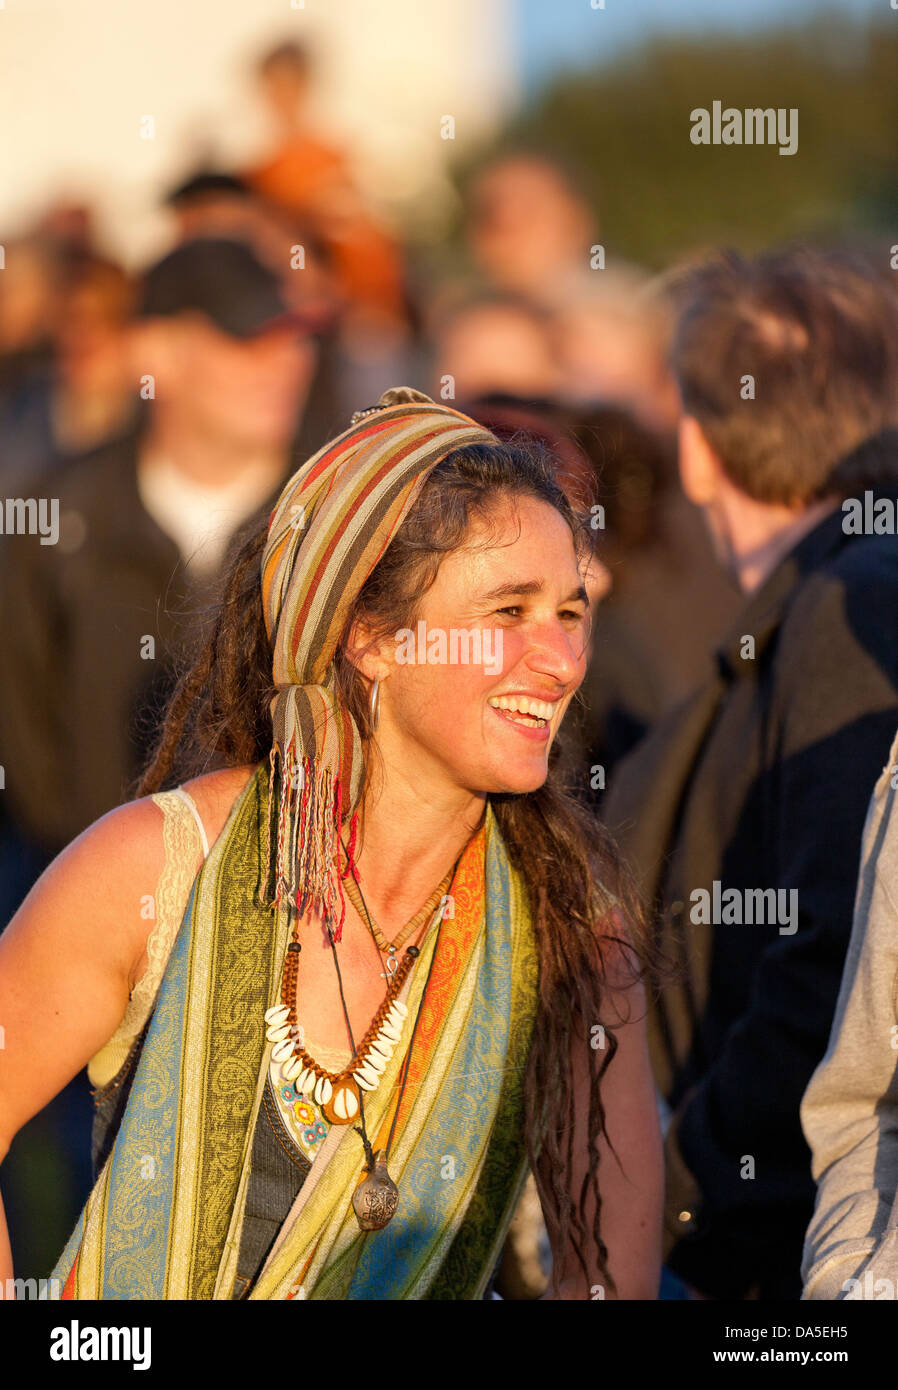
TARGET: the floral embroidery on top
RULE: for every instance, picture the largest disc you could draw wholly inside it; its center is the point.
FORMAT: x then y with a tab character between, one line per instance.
302	1118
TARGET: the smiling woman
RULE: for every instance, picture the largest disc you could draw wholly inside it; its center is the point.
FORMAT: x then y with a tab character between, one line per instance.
365	806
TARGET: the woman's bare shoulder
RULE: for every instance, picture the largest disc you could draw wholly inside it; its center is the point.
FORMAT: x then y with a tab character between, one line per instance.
125	847
103	878
84	923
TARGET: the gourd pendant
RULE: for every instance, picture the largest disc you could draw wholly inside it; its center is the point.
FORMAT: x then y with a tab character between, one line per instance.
375	1200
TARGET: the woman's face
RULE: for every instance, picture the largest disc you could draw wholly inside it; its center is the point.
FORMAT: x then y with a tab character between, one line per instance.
505	620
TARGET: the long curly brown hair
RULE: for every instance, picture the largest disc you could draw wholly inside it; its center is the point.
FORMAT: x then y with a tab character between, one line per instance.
579	892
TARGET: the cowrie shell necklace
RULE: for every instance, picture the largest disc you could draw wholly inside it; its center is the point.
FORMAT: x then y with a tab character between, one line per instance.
339	1095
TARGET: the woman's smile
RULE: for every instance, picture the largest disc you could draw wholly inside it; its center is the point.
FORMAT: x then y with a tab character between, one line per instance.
529	715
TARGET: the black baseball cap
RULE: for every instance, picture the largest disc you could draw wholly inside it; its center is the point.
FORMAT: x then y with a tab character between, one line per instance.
222	278
206	183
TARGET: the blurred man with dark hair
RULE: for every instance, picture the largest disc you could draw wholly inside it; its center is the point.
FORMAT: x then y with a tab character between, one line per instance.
742	810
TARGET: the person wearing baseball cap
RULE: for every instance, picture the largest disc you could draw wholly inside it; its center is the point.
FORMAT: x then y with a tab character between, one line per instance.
222	368
223	279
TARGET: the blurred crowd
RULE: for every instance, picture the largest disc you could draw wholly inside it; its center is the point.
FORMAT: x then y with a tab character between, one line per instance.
165	409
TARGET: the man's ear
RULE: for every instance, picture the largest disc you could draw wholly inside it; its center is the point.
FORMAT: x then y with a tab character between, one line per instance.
701	471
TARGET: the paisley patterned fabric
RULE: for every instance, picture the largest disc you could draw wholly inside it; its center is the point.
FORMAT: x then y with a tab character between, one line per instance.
164	1217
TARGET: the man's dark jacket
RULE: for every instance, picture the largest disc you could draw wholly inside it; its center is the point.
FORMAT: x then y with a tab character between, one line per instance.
94	630
761	780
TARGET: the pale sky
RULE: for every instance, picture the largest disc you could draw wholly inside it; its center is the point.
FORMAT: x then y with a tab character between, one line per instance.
553	34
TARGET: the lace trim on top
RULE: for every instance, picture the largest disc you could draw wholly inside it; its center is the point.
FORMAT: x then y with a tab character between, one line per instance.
191	806
182	853
181	840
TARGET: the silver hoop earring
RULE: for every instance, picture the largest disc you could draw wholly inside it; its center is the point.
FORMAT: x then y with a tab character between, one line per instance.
374	703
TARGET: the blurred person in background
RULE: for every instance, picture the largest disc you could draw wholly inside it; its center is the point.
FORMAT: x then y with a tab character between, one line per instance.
69	224
29	286
97	624
494	344
213	203
64	319
225	370
530	237
752	794
311	178
610	345
529	229
82	394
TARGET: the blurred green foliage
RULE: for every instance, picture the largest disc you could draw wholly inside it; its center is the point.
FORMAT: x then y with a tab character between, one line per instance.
625	128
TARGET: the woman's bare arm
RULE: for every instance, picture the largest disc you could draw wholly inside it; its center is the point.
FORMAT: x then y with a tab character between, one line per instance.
631	1183
70	957
76	948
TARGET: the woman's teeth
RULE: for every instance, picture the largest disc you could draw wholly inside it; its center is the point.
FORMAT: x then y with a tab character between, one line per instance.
535	713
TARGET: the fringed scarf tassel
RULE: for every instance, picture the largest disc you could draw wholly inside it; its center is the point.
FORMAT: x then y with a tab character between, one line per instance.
302	843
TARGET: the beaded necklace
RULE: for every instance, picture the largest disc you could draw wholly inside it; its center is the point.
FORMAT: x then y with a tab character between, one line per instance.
390	948
339	1093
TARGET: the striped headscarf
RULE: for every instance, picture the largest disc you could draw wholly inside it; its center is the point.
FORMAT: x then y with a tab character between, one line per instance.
332	523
